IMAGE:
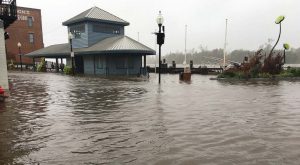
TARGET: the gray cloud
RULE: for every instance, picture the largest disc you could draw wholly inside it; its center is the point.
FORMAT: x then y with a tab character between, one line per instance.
251	22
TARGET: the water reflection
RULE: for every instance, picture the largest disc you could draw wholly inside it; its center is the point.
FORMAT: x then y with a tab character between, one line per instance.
53	118
21	120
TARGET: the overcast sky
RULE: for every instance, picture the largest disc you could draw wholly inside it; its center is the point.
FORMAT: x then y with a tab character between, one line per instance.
250	22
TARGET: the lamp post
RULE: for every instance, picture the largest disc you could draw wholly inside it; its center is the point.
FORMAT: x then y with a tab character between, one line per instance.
72	53
20	54
278	21
160	39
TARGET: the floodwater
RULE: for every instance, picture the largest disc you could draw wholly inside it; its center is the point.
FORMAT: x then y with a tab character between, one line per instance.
56	119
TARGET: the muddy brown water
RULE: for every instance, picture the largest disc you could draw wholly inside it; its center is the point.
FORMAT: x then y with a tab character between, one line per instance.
56	119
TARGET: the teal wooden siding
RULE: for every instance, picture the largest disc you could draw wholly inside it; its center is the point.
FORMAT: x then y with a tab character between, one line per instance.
81	42
112	65
94	37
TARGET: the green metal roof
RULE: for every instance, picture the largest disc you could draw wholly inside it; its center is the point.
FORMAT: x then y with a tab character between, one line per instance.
98	15
112	45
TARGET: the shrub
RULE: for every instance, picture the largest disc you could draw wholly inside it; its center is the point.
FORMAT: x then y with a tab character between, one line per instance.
293	71
227	74
11	65
42	66
286	74
242	75
68	70
273	64
265	75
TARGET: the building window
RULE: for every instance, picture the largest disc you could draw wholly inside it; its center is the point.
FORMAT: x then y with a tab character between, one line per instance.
31	38
77	30
109	29
120	62
100	62
30	21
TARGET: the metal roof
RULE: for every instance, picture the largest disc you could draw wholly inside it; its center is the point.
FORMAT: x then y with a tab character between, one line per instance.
98	15
113	45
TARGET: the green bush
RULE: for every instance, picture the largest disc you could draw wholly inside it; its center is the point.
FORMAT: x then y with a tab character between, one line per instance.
286	74
254	71
227	75
11	65
68	70
42	66
242	75
293	71
265	75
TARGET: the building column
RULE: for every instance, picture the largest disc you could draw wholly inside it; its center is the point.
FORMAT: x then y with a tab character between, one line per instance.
94	64
56	65
33	66
3	63
145	68
61	64
127	67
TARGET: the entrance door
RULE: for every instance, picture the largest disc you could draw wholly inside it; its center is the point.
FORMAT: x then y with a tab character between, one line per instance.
79	64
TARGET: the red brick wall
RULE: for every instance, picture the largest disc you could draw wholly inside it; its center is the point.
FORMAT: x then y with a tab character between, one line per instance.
19	32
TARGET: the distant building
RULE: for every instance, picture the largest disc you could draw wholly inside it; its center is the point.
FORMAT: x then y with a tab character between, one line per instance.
100	45
27	30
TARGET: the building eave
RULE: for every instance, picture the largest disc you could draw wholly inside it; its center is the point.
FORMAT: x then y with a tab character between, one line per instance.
69	23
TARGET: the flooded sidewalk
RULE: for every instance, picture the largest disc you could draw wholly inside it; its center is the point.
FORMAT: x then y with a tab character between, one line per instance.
56	119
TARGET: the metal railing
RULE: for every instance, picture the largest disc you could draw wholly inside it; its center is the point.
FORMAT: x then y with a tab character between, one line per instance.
8	11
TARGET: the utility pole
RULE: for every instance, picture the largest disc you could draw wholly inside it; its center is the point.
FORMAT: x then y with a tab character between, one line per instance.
184	63
225	44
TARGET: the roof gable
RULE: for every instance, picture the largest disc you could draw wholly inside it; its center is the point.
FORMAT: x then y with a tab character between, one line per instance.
98	15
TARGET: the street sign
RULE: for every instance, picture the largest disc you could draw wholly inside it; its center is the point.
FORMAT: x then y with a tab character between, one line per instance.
72	54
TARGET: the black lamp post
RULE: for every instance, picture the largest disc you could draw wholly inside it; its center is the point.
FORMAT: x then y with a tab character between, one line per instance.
160	39
72	53
20	54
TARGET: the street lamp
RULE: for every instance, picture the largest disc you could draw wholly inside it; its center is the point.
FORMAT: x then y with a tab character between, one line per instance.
72	53
20	54
278	21
160	39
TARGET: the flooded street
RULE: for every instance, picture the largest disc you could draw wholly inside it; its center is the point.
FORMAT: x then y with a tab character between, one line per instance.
57	119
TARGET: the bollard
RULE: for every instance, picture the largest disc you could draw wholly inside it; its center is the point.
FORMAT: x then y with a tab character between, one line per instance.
173	64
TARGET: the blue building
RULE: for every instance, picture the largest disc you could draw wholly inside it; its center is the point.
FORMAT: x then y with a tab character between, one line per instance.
100	46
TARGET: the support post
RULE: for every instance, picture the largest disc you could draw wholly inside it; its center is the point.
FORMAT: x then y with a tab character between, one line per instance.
145	67
72	55
56	65
33	66
3	63
94	64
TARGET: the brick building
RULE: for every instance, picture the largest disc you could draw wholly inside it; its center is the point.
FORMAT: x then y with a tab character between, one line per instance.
27	30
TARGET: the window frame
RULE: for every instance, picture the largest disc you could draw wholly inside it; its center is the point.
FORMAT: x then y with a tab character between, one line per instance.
30	21
77	30
106	29
31	39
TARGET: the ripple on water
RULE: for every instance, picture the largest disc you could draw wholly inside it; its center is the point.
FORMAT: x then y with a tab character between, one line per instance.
51	118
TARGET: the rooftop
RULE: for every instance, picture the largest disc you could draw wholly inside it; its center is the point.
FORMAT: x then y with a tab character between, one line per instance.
112	45
98	15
